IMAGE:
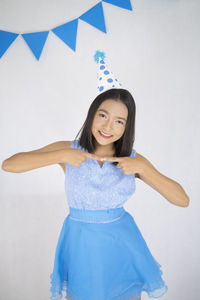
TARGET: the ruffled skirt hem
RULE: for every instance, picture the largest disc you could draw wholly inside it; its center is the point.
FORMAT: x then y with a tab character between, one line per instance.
127	294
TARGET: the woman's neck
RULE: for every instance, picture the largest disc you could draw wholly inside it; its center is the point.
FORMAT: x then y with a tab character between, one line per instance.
107	150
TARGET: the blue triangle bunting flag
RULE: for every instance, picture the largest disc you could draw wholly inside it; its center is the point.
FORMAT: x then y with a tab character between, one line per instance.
6	39
95	17
36	41
67	33
121	3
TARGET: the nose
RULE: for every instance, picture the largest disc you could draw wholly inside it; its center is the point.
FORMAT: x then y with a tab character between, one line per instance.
108	126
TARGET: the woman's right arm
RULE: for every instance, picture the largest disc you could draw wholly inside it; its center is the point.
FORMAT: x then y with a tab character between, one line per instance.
24	161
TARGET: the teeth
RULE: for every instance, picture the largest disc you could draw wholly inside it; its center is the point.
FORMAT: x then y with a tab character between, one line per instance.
104	133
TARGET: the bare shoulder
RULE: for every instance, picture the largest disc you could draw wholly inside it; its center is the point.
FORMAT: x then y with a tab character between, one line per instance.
59	145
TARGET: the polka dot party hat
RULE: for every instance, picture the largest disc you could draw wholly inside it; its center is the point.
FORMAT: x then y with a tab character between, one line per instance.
106	78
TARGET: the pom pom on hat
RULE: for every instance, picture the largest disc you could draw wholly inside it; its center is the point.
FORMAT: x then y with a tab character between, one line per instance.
106	78
98	55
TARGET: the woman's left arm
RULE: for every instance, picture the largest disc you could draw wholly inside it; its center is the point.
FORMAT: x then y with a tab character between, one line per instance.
167	187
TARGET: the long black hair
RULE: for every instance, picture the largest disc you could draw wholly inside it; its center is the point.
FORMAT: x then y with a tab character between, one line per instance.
123	146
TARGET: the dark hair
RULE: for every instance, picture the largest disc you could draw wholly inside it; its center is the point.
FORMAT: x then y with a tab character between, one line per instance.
123	146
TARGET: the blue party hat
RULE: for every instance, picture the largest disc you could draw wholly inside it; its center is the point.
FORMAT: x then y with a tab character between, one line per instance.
106	78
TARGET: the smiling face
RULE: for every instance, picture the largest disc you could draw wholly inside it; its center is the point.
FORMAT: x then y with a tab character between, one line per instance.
110	119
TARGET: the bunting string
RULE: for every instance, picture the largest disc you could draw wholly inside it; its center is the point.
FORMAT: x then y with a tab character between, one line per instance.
66	32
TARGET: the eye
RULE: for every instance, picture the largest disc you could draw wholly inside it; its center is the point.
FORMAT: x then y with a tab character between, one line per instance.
101	115
120	122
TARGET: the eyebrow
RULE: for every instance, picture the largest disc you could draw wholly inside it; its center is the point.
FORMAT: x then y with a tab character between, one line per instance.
108	113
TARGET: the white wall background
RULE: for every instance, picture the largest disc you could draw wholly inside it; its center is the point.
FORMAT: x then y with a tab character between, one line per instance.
154	51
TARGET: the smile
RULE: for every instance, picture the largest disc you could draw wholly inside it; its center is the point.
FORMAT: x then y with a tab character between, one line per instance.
104	135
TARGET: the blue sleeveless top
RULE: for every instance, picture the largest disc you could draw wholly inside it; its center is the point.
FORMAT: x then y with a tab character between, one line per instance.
90	186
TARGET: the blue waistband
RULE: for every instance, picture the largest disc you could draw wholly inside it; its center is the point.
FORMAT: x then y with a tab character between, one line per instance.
96	216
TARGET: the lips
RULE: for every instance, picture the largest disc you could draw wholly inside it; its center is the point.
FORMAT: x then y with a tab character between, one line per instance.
104	136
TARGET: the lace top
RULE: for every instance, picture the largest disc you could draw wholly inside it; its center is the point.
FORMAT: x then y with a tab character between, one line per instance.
90	186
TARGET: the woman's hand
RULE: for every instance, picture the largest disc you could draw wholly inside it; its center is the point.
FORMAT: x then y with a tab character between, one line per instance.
128	165
75	157
167	187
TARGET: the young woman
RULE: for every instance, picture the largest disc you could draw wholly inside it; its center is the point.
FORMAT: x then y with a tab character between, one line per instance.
101	253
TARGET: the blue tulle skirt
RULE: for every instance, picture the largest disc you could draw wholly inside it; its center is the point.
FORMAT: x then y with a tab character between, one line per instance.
102	255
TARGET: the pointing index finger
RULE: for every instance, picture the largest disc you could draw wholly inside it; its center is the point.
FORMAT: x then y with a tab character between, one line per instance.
112	158
97	157
93	156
